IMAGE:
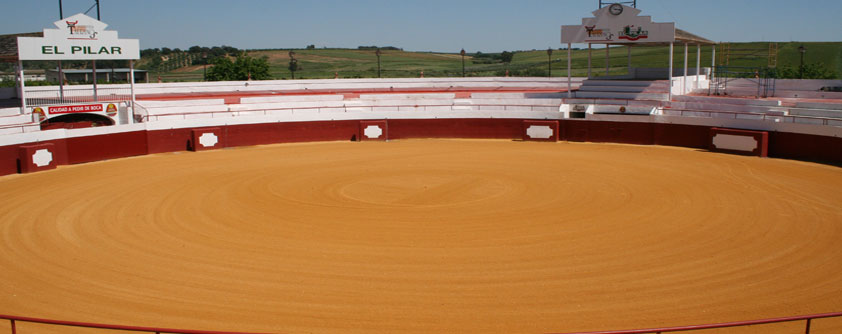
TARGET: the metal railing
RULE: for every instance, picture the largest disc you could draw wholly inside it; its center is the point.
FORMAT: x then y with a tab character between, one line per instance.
808	319
763	79
810	120
144	115
21	128
15	319
139	112
50	95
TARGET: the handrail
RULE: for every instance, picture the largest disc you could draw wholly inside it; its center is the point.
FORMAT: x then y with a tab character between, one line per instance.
808	318
19	125
764	116
14	319
345	108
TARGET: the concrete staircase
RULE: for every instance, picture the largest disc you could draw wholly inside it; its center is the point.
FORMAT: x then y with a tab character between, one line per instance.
624	89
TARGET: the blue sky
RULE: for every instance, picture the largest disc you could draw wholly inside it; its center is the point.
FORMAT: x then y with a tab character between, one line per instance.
419	25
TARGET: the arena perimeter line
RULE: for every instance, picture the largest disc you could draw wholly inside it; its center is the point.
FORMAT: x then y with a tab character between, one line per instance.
423	236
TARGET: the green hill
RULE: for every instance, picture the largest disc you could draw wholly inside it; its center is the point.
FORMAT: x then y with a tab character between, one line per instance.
352	63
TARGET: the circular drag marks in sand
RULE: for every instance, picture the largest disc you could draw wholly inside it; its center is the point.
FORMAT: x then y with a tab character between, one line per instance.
423	236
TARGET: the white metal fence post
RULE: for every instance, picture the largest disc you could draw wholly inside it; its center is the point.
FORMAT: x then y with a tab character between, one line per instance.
672	50
684	79
569	69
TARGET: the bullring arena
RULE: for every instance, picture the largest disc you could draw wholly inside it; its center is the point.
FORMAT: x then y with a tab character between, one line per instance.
652	202
325	226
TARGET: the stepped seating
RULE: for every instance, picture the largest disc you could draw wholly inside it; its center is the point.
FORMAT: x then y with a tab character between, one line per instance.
327	103
812	109
624	89
11	121
765	110
615	109
784	88
179	109
736	105
12	111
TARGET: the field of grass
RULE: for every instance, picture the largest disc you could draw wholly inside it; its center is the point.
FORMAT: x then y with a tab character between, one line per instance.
352	63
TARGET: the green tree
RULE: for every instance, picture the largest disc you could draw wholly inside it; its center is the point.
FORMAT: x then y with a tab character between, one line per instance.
507	56
240	69
811	71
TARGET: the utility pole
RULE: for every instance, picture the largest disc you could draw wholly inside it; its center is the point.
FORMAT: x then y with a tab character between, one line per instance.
463	62
97	11
60	71
205	67
293	64
378	62
549	62
801	49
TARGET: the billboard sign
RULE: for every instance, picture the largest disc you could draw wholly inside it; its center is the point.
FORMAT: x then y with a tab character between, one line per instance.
46	112
78	37
620	25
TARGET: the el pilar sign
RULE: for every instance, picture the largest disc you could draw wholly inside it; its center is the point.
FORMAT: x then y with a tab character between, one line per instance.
78	37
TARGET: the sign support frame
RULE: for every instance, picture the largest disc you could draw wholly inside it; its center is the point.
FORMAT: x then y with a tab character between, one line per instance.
96	98
131	87
22	87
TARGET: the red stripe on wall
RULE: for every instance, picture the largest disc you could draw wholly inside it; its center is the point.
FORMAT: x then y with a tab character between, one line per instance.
111	146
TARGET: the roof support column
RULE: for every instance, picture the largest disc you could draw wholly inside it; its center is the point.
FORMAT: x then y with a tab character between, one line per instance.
698	64
569	71
712	61
684	79
22	86
629	66
590	53
607	59
672	48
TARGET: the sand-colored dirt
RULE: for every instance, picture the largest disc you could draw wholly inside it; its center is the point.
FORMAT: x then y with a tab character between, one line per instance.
424	236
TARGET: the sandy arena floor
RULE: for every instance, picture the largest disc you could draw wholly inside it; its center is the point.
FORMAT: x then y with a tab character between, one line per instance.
424	236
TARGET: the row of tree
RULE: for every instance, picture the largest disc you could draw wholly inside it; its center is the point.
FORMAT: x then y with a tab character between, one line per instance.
243	67
210	52
166	59
493	58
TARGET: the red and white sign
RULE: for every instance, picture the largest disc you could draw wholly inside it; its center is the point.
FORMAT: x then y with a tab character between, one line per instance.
79	37
57	110
618	24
